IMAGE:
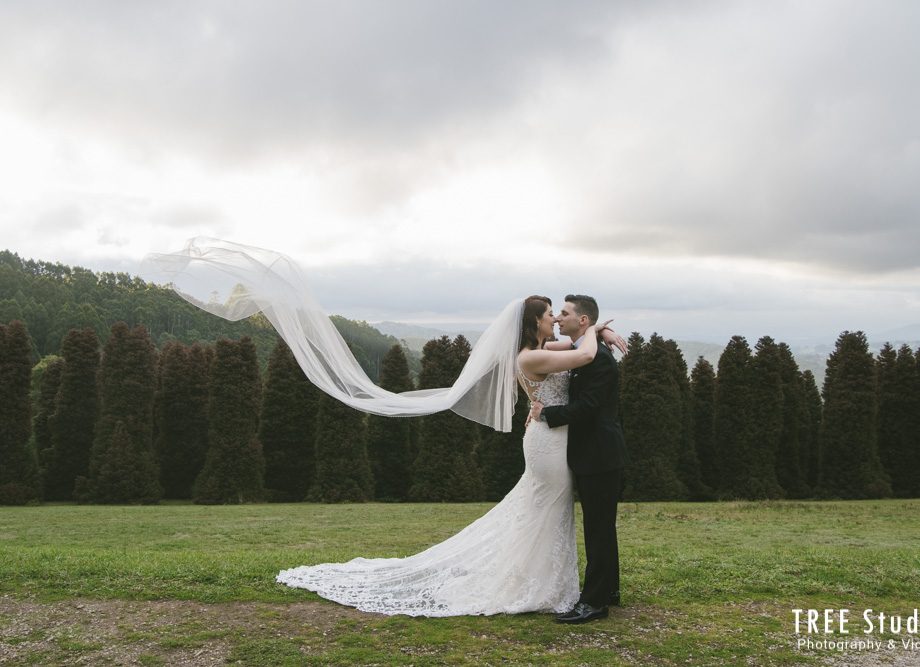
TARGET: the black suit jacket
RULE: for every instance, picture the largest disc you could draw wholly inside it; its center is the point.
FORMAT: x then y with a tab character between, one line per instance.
596	441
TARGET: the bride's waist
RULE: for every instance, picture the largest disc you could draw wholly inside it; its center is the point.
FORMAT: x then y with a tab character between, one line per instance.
543	426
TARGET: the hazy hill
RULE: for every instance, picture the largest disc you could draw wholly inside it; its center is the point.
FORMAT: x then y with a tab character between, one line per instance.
415	336
52	298
908	334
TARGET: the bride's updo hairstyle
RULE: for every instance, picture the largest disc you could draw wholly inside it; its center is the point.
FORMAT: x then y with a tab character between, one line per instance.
534	307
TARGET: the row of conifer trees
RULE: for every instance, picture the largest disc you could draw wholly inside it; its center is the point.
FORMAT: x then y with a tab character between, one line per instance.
757	428
134	425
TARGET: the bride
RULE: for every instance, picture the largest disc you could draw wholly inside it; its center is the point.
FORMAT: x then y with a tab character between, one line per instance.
519	557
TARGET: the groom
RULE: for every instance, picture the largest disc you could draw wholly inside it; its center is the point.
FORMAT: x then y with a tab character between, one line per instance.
596	455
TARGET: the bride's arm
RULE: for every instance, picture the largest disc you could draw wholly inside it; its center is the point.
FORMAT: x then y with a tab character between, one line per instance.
558	345
609	336
613	340
543	362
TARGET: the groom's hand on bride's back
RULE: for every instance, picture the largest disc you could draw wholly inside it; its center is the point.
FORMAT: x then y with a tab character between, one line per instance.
535	409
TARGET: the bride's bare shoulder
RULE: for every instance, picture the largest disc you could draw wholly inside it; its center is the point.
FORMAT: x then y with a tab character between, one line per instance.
528	364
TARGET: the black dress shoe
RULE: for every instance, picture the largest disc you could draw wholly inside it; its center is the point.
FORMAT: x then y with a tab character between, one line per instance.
582	613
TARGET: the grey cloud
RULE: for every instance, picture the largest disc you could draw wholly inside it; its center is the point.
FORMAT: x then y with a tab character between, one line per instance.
419	289
191	216
111	236
778	132
112	217
836	233
85	208
243	78
64	218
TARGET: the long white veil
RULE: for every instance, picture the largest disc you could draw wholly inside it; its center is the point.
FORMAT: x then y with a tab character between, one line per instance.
235	281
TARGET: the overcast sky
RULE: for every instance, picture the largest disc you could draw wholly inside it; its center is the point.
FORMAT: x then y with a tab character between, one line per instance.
703	168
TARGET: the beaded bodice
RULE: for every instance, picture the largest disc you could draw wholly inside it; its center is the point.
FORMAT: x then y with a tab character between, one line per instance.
554	390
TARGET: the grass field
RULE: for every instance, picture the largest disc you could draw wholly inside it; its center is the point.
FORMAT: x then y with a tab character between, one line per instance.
183	584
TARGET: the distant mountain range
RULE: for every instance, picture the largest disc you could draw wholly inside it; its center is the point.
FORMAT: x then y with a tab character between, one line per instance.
909	334
812	356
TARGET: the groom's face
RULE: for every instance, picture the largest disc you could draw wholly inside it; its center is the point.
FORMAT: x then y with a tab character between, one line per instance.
570	322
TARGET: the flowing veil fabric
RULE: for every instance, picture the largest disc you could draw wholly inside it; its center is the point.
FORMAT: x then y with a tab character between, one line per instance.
235	281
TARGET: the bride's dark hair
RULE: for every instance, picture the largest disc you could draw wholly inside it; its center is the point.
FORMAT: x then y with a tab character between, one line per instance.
534	307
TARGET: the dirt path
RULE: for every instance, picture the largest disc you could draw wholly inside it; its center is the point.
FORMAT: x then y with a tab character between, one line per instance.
134	632
124	632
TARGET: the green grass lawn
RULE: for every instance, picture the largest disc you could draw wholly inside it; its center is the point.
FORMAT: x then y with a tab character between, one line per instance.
702	584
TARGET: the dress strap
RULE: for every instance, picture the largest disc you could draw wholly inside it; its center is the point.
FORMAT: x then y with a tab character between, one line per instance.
530	387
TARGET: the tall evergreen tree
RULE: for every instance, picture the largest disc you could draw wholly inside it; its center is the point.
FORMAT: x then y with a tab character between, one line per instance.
631	379
35	383
19	480
501	455
733	422
850	465
181	416
899	419
445	469
688	462
811	428
653	423
48	387
125	474
343	472
127	383
234	465
287	427
909	376
792	453
766	410
889	441
632	385
703	394
388	443
74	420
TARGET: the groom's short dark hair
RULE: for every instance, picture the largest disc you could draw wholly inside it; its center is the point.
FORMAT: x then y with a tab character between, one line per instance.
584	305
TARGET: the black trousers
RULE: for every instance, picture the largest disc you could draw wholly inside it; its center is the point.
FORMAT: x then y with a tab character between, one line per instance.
599	494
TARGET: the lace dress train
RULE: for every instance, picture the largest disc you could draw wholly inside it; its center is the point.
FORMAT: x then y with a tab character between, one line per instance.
518	557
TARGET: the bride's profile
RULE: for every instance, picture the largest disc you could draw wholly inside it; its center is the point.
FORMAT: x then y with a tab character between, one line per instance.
521	556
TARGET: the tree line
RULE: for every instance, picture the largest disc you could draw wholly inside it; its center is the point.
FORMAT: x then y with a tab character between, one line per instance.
129	424
756	427
124	422
52	298
151	408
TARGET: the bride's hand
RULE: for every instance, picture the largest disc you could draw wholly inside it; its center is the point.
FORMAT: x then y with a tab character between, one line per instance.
600	326
611	337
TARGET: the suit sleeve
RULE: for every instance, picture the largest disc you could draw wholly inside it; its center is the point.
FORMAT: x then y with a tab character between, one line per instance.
590	398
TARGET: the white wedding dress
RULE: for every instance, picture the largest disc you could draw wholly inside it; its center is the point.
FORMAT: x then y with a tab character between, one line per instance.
519	557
